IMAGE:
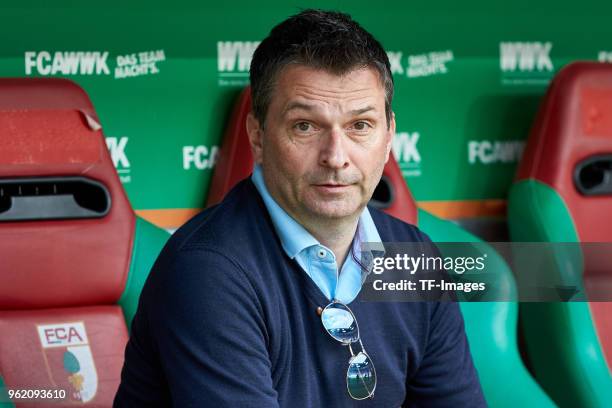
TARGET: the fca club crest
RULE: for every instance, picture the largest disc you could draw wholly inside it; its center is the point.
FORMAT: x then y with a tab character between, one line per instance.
70	364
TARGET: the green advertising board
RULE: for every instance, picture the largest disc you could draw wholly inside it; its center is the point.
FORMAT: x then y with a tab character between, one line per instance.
163	77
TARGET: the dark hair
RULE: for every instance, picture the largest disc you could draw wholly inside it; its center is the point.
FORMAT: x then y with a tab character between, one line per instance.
326	40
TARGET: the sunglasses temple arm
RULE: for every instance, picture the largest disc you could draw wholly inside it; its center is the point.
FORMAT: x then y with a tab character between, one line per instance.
360	344
351	349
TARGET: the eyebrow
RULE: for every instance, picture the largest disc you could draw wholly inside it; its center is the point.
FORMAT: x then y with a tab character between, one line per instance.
303	106
357	112
298	106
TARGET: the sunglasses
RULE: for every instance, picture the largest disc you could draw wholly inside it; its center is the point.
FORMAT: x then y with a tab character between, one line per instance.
339	321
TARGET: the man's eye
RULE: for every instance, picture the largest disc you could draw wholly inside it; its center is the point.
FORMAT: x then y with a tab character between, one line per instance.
361	126
303	127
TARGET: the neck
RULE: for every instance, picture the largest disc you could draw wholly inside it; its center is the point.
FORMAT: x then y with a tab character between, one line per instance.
336	235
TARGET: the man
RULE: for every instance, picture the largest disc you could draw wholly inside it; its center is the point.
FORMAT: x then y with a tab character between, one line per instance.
250	302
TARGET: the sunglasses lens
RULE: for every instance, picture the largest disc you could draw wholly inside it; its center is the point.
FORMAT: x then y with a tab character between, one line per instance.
361	377
340	323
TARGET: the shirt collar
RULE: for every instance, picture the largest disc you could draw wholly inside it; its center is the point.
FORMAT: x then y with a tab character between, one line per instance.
294	237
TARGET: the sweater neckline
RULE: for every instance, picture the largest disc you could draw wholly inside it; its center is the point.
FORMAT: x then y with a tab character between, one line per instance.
313	293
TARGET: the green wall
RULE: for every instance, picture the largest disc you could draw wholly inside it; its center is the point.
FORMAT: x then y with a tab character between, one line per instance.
469	77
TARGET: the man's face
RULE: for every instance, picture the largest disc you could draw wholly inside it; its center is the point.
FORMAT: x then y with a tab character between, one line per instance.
325	141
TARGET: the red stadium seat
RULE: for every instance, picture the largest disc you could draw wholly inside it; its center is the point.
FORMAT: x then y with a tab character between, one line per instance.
563	193
72	266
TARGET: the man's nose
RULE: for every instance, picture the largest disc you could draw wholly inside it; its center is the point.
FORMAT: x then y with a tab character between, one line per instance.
333	152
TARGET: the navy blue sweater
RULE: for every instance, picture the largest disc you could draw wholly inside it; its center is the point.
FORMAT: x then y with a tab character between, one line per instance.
227	319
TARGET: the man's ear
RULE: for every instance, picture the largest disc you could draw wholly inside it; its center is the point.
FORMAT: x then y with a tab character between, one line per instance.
390	134
255	133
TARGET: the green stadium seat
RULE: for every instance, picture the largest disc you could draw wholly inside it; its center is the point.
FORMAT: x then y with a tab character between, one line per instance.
560	197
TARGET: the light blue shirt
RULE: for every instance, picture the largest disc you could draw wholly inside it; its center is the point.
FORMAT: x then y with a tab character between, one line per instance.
318	261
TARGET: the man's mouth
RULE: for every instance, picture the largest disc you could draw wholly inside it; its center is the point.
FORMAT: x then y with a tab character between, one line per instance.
331	187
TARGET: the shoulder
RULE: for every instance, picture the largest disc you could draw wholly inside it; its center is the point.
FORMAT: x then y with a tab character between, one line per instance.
211	250
199	284
229	227
197	274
